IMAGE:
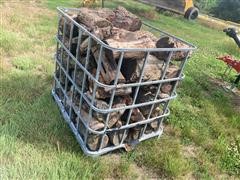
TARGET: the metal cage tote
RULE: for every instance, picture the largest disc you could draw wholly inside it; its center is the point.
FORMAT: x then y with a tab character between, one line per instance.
79	104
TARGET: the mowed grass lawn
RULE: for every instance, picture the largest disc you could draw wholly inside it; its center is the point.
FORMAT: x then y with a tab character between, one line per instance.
202	134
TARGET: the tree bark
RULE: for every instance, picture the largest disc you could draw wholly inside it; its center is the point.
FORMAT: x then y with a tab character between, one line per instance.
169	42
99	26
125	39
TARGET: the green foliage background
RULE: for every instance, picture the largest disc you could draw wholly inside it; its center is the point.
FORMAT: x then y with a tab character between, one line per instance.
223	9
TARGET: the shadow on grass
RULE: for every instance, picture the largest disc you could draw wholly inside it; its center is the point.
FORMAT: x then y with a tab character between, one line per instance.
31	115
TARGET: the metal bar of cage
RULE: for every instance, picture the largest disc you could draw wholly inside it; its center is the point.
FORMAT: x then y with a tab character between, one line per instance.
62	102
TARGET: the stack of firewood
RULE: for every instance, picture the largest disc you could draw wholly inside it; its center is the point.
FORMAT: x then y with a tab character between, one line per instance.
117	28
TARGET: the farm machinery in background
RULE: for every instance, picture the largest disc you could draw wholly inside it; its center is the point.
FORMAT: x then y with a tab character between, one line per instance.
184	7
231	62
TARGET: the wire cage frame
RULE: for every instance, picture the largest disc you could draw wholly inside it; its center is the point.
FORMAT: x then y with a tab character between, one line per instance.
78	103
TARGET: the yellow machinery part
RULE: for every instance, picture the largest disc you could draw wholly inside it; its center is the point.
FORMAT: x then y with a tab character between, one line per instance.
188	4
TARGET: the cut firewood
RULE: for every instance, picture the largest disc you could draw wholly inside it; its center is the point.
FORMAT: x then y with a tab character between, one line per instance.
136	115
59	93
172	71
94	123
137	44
122	35
104	92
169	42
125	20
99	26
134	133
152	70
109	67
114	117
117	136
126	39
119	17
166	88
93	141
147	94
68	25
154	125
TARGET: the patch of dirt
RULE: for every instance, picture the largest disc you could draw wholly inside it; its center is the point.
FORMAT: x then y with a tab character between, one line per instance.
5	64
189	151
135	171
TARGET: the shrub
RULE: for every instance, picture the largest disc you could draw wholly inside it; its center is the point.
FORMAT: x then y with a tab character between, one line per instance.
228	10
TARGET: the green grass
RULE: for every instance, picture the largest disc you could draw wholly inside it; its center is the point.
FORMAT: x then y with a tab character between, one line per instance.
201	140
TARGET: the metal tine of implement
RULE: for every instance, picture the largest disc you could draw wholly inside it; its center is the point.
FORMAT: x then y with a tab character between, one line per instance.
94	92
182	66
68	59
113	94
136	92
159	87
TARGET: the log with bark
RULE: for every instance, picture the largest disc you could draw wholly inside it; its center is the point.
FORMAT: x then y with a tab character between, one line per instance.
93	140
68	25
125	19
109	67
97	25
117	136
105	92
114	117
169	42
152	70
126	39
147	94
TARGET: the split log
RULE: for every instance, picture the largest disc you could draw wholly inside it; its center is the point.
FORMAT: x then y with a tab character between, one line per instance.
119	17
147	94
172	72
104	92
68	25
94	123
117	136
109	67
134	134
93	140
169	42
126	39
136	115
99	26
152	70
125	20
59	93
114	117
166	88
